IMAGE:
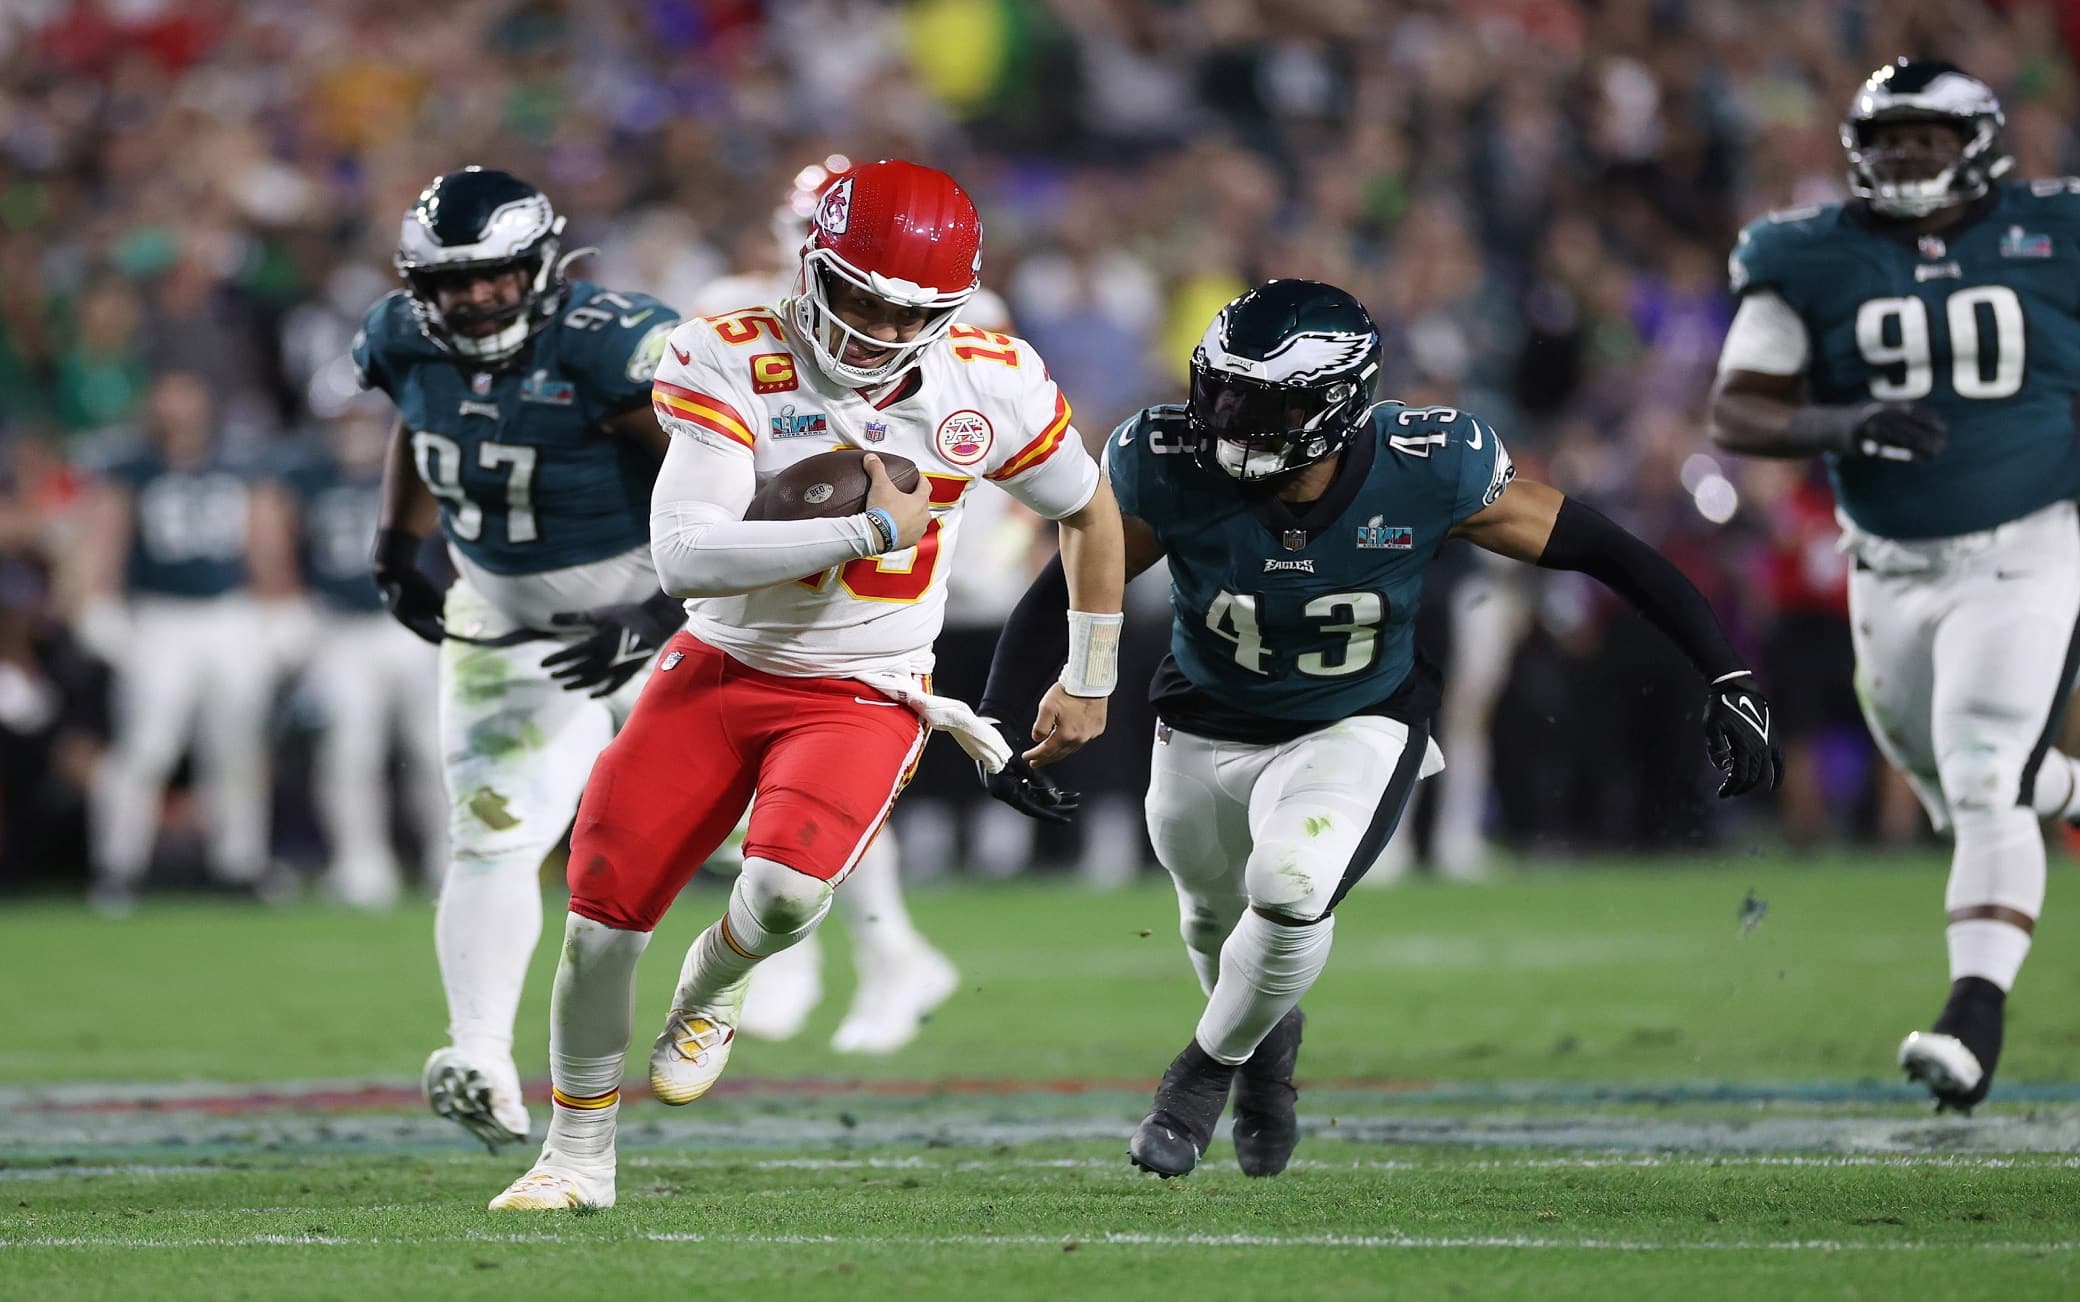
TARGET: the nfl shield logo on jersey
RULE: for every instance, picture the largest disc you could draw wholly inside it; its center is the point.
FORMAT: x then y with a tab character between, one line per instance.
876	431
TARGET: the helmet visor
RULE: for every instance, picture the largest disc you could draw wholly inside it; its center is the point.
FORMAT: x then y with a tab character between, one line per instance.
1235	409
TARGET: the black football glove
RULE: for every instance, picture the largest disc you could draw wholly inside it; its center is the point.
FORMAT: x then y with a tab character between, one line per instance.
1029	791
412	599
621	641
1737	737
1884	431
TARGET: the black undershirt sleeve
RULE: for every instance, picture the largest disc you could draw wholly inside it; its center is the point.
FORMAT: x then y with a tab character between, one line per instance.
1030	650
1586	541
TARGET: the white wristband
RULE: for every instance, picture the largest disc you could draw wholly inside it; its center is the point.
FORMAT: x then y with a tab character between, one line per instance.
1093	665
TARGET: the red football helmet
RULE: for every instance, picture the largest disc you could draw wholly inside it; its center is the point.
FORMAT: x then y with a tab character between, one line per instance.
907	235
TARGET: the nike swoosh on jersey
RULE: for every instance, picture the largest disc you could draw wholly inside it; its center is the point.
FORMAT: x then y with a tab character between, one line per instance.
1126	438
1476	444
893	705
685	358
628	321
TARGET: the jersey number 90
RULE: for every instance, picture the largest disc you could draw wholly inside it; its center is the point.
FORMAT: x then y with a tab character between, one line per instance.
1893	334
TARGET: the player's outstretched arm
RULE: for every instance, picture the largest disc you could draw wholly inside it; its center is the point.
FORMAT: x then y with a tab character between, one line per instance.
1534	522
1072	713
1762	415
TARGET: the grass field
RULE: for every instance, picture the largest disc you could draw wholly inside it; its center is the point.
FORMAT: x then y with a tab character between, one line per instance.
1585	1084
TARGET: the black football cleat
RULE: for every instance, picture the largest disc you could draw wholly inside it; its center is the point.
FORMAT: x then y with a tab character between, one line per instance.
1266	1127
1956	1058
1188	1102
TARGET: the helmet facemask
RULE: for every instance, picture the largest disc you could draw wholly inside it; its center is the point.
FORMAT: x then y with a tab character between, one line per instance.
471	224
828	334
515	321
1255	431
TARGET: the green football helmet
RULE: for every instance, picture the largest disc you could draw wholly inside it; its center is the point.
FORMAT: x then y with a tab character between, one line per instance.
1923	90
1282	378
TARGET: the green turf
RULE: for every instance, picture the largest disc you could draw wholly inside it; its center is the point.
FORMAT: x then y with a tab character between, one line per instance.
1612	974
1586	1083
959	1223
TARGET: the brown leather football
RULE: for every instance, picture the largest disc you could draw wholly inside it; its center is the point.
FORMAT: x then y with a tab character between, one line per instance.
826	485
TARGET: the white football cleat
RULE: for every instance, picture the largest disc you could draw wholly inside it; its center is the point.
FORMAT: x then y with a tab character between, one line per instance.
783	991
1941	1062
891	1004
482	1097
556	1188
688	1058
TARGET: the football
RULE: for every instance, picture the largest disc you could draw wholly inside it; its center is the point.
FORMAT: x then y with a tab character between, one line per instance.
826	485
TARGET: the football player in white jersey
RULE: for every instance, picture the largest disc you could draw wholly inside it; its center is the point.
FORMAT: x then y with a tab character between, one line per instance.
801	678
900	976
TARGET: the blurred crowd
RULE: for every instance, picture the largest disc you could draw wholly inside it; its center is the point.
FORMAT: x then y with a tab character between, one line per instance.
199	198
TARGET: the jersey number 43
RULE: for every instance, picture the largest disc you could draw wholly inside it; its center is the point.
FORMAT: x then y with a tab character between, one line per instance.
1354	616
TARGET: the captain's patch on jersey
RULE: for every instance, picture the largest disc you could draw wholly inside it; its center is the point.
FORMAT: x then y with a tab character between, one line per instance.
773	373
964	437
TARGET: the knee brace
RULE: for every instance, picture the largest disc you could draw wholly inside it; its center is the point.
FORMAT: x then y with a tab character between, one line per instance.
772	905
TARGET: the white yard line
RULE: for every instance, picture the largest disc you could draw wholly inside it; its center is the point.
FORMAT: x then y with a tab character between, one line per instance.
1363	1242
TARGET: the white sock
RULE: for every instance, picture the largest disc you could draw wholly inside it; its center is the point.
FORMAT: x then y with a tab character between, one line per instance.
2057	793
484	934
589	1019
1987	948
1265	968
871	903
771	907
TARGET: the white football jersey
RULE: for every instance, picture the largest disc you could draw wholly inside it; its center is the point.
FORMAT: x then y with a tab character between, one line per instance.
979	406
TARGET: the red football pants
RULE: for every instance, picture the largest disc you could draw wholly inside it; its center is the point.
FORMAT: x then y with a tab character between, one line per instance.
825	758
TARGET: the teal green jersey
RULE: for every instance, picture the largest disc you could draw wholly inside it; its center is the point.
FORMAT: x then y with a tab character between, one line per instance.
336	514
1303	614
187	525
526	478
1981	324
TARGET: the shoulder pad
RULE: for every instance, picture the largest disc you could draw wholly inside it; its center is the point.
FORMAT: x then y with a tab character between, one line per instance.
1771	247
2051	198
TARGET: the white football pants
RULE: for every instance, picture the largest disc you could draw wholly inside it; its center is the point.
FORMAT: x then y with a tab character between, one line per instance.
516	750
182	667
1965	653
369	675
1287	828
